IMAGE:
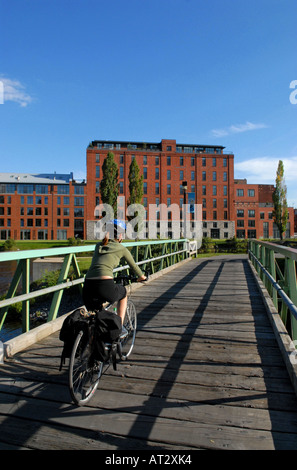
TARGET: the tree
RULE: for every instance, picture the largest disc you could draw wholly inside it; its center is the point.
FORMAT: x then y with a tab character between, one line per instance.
135	194
135	184
109	186
279	197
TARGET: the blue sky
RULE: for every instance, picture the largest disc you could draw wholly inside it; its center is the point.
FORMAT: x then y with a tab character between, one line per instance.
198	71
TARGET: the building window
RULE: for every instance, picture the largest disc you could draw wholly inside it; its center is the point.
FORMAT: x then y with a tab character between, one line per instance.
192	175
251	192
168	161
203	161
79	201
214	176
240	213
63	189
181	174
203	175
145	187
240	192
145	173
145	159
169	174
157	173
214	161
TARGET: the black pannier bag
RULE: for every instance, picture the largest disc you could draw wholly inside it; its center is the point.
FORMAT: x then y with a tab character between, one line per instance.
72	325
108	329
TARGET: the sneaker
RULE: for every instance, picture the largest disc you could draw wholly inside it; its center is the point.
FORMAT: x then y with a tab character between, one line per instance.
124	333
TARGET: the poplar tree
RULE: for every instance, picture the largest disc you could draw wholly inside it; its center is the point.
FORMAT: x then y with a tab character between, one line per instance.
109	186
279	197
135	184
135	191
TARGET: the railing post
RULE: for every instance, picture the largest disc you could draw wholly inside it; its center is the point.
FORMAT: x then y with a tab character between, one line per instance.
273	274
292	288
58	295
26	290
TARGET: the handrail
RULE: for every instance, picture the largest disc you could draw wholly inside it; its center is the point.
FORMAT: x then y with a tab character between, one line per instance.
172	251
276	266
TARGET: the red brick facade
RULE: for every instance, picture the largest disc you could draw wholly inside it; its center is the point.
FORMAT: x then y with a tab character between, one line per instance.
165	166
253	211
41	208
56	207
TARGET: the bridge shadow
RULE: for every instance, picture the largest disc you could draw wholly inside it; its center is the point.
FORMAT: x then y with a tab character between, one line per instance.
166	381
268	349
182	347
151	409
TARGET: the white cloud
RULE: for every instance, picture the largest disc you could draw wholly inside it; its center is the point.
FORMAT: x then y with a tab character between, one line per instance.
264	169
15	91
237	128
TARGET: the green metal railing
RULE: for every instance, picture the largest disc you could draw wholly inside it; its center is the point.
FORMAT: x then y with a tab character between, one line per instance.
276	266
152	255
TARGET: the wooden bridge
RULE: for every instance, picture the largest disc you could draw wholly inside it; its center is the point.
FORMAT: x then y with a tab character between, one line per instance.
209	370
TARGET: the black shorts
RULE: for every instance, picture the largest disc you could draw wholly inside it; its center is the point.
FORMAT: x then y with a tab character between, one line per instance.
98	291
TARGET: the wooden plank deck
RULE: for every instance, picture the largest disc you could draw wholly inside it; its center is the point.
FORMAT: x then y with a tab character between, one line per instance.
206	373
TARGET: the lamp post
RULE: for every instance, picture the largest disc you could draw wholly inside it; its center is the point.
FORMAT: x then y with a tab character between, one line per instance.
185	187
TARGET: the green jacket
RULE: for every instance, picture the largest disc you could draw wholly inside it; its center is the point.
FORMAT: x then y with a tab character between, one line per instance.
107	258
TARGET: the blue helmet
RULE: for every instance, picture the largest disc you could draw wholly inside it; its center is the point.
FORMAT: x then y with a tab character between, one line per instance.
118	223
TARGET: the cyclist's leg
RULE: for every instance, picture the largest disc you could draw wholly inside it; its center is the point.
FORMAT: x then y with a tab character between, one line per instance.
122	307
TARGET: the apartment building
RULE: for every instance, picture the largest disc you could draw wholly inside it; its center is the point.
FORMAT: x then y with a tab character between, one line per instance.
41	206
168	168
253	211
55	206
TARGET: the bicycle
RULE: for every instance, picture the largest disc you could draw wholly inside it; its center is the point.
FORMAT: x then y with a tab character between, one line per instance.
84	370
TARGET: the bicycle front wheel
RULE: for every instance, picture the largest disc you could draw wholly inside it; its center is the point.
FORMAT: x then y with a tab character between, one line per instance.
84	371
130	323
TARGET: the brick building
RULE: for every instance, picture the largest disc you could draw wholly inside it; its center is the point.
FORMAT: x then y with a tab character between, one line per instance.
253	211
206	169
54	206
41	206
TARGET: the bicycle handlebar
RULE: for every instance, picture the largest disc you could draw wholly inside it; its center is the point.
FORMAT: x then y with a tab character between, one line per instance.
124	279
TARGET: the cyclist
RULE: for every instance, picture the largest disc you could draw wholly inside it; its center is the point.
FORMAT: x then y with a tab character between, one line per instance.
99	286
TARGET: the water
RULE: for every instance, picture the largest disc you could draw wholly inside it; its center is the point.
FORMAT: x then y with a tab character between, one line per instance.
12	328
7	269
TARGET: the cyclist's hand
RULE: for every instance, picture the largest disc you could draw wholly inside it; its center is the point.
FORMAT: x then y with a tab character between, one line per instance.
141	278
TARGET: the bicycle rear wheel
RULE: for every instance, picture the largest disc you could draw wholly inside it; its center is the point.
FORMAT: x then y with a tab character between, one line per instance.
84	371
126	344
